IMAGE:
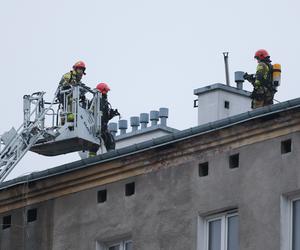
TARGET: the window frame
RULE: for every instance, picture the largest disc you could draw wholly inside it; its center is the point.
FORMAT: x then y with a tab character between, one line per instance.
224	229
286	220
106	246
291	216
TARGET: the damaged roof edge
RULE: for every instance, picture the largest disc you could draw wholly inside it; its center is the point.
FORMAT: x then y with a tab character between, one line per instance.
155	143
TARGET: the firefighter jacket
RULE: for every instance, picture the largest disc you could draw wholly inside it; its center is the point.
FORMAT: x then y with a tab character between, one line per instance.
70	78
107	112
263	75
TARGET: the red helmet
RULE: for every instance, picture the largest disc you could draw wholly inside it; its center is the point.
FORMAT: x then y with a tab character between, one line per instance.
79	64
103	87
261	54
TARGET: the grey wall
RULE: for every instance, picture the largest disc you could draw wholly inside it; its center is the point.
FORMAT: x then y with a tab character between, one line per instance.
163	212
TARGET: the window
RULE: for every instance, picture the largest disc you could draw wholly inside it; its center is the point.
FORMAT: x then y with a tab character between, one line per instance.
203	169
286	146
32	215
220	232
124	245
234	161
129	189
290	222
120	245
6	222
102	196
296	224
226	104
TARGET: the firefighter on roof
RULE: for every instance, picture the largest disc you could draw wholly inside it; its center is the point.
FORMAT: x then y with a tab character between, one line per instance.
262	81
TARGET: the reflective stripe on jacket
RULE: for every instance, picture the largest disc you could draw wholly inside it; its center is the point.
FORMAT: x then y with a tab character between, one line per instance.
262	74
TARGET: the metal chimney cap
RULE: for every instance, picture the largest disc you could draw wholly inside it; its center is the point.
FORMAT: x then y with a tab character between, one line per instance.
154	115
134	121
113	127
144	118
123	124
164	112
239	76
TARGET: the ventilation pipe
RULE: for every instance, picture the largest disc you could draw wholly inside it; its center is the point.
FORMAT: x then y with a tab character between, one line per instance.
225	54
154	117
144	120
113	128
134	123
163	115
123	126
239	79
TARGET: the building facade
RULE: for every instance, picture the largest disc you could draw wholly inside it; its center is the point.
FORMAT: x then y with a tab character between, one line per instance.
227	185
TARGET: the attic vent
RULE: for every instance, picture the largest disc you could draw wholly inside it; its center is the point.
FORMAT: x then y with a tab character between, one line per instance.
102	196
6	222
226	104
203	169
130	189
32	215
234	161
286	146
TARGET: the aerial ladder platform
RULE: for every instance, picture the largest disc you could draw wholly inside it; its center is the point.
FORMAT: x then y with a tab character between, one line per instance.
70	123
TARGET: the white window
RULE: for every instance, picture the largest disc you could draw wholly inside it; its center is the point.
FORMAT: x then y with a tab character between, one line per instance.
290	223
219	232
295	224
119	245
124	245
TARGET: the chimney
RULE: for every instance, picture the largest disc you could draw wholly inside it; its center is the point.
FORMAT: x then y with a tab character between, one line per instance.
219	101
123	126
113	128
163	115
239	79
154	117
134	123
144	120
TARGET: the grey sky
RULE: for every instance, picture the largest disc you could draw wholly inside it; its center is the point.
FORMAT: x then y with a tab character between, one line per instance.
152	53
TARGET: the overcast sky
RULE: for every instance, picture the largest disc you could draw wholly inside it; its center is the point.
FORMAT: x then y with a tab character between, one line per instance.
152	53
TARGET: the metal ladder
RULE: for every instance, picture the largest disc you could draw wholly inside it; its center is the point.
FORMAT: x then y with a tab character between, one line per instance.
18	142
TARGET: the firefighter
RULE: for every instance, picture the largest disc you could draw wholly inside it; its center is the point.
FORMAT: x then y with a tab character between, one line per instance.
68	79
74	76
263	89
107	114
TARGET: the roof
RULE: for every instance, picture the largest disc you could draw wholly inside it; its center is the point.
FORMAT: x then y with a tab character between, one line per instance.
157	142
150	129
220	86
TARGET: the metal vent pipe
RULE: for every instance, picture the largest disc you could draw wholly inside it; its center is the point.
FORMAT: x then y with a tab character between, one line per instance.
113	128
239	79
123	126
225	54
154	117
144	120
134	123
163	115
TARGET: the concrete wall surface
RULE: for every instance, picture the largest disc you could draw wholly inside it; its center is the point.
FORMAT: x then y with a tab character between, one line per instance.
163	212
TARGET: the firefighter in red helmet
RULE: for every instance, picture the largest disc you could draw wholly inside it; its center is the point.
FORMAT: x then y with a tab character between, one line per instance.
263	89
71	78
75	75
107	114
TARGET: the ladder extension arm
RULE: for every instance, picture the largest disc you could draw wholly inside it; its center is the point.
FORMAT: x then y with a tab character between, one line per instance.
23	140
